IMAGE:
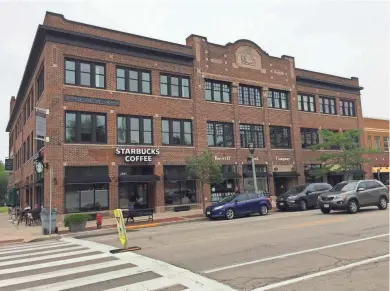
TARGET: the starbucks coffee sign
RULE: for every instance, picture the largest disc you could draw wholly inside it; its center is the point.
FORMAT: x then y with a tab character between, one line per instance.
137	155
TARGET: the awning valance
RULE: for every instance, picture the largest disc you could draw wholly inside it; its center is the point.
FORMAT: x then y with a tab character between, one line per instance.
183	176
138	178
231	175
258	174
87	180
285	174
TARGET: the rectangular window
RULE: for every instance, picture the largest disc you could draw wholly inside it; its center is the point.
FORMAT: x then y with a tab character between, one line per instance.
386	143
250	133
220	134
250	96
83	127
134	130
306	103
261	177
309	137
369	142
41	82
175	86
347	108
377	143
176	132
328	105
85	73
280	137
133	80
217	91
278	99
86	197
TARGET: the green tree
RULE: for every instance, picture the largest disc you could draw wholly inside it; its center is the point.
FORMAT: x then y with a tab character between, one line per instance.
205	169
3	183
346	159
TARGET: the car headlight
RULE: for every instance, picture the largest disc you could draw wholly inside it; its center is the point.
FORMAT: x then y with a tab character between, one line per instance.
218	207
292	197
340	196
319	198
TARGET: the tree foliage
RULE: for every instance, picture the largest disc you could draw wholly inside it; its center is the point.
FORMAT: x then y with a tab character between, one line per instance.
346	159
205	169
3	183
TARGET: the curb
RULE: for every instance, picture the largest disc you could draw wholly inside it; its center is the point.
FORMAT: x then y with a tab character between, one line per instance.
44	238
10	241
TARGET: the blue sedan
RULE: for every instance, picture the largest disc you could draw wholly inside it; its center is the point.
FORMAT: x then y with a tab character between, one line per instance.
239	205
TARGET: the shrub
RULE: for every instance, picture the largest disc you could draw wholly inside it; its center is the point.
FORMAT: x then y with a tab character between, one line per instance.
75	218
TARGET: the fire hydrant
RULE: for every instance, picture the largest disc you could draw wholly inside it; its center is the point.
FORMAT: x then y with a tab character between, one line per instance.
99	220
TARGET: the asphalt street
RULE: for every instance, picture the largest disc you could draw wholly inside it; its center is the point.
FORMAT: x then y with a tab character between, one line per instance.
282	251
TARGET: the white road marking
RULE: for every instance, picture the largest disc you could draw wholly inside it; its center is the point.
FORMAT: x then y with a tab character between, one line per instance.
28	246
293	254
153	284
322	273
65	272
50	251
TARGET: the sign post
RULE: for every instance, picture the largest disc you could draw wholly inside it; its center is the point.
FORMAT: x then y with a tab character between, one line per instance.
121	227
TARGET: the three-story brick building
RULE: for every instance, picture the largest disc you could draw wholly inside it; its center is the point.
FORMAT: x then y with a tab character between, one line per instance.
108	92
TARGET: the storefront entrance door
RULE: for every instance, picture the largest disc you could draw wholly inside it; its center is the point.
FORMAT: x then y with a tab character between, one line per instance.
135	193
280	185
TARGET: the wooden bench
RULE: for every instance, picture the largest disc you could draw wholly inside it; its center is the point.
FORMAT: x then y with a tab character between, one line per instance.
148	212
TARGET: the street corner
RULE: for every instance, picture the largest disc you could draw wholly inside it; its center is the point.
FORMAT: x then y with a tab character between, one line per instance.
42	238
11	241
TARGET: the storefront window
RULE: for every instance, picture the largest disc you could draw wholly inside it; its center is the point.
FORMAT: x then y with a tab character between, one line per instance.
227	186
309	178
86	197
261	178
179	186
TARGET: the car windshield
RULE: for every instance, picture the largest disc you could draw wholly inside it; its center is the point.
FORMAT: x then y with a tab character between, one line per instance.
228	199
296	189
344	187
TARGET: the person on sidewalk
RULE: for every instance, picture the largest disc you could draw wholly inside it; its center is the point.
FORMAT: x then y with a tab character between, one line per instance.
130	212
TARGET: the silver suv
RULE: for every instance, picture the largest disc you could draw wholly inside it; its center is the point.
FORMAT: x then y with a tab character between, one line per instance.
352	195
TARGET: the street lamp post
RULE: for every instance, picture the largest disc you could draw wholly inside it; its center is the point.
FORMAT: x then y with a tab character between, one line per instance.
252	156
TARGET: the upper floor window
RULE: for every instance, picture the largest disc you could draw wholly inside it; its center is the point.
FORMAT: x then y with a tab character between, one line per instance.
217	91
347	108
327	105
250	133
277	99
176	132
133	80
220	134
41	82
84	73
369	142
84	127
280	137
250	96
309	137
134	130
377	143
386	143
306	103
175	86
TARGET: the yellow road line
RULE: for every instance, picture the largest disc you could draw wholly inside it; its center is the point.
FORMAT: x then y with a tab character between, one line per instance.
142	225
318	222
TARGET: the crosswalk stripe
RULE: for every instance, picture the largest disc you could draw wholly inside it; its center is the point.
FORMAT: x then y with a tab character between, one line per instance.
54	274
55	250
53	264
87	280
13	262
27	246
153	284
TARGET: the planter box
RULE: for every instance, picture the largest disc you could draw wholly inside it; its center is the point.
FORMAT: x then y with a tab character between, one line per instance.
75	227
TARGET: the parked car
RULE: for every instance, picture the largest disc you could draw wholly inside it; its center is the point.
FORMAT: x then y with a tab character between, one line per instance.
352	195
239	205
302	196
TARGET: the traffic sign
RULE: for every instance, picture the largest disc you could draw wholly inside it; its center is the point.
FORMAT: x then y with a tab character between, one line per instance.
121	227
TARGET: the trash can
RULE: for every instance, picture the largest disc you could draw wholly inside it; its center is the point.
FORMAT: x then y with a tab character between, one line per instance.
45	219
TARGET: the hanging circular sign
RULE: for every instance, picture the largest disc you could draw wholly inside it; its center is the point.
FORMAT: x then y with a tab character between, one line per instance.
39	167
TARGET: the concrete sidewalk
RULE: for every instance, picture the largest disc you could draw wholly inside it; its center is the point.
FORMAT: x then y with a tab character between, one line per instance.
11	233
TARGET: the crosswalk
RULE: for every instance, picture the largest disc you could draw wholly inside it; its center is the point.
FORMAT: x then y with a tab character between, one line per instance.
75	265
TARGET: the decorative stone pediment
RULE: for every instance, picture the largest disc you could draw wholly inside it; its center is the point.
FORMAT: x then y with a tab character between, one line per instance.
248	57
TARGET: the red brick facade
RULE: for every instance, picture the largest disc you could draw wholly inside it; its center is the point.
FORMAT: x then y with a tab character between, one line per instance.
242	62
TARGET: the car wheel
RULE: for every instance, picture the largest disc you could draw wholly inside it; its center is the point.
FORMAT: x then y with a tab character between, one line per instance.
382	203
302	205
353	206
325	211
229	214
263	210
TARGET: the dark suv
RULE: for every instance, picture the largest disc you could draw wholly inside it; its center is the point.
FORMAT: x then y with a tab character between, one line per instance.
302	197
352	195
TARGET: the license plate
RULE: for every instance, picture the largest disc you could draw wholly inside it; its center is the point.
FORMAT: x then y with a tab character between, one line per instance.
208	212
281	203
326	205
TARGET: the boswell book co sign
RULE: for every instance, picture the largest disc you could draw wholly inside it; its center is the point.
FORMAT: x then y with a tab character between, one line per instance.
137	155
